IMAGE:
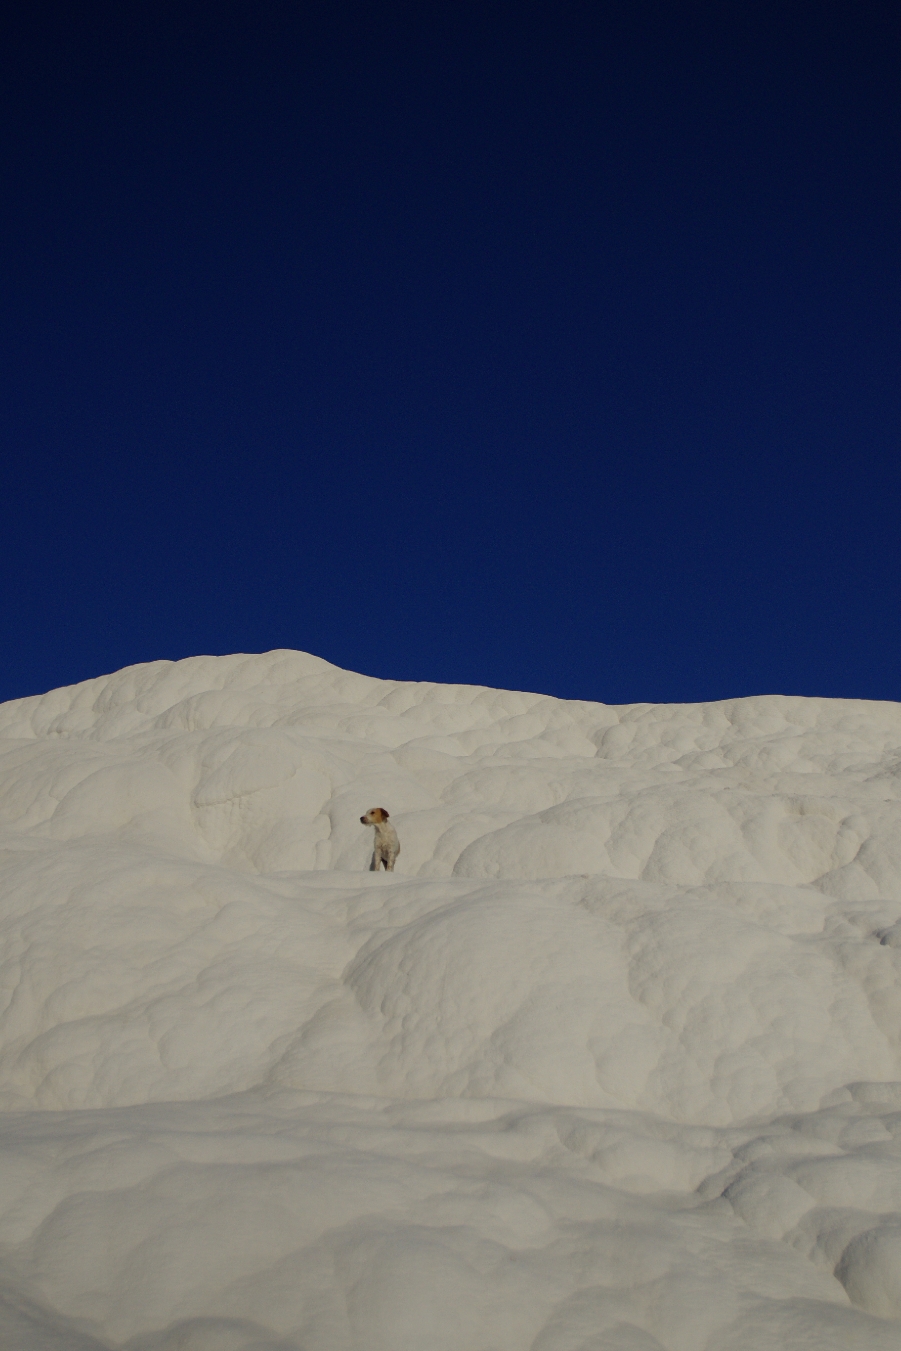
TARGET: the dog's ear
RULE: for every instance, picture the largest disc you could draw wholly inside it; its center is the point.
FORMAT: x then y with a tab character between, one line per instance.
384	813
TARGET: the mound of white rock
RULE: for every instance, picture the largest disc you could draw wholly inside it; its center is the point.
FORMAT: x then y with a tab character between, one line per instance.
612	1060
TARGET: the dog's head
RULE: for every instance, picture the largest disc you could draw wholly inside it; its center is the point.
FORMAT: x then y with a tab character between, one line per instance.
374	816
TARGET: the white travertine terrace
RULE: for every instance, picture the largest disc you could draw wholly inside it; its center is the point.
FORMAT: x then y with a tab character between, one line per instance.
611	1063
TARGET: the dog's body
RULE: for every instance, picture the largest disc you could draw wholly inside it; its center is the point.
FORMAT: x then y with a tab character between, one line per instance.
387	845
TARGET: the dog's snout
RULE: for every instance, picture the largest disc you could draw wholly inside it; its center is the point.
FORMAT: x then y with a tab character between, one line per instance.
362	820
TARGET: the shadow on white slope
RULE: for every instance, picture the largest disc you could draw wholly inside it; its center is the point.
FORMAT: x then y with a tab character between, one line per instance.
612	1061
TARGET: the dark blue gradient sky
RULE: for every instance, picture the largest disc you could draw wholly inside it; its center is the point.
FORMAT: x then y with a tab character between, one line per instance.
549	346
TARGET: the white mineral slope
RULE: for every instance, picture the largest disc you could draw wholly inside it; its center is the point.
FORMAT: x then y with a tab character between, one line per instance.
611	1063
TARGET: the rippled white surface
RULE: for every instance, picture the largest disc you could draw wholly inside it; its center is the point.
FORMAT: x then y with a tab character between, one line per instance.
612	1061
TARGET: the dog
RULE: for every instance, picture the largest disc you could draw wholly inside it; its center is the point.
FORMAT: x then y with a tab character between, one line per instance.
387	845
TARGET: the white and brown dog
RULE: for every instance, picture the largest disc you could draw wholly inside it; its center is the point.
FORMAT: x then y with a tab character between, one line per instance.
387	845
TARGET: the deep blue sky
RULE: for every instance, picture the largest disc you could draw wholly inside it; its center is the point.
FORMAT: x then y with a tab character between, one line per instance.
550	346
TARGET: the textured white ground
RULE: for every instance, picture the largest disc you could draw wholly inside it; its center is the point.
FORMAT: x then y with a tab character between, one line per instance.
611	1062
